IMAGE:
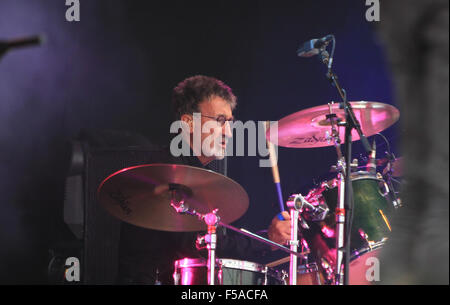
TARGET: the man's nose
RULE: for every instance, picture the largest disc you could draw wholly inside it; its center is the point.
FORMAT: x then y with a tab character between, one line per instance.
227	130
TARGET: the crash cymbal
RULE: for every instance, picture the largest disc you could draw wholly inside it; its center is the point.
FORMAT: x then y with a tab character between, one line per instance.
141	195
308	128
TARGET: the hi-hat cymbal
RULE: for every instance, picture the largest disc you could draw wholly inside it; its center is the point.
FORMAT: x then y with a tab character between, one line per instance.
308	128
141	195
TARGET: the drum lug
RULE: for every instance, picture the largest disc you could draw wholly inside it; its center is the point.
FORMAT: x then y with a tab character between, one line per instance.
201	242
220	275
284	276
176	277
328	271
293	243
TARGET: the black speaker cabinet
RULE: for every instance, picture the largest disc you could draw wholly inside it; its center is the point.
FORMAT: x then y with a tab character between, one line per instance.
95	156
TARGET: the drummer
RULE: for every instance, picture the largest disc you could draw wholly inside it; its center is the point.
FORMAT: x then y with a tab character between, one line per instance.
147	256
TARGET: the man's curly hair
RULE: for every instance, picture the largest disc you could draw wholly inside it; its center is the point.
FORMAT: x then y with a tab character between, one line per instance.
189	93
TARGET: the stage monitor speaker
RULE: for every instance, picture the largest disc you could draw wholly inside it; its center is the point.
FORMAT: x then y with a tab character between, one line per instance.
96	155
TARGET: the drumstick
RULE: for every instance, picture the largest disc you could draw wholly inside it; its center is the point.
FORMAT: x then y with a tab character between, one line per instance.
278	262
282	261
275	173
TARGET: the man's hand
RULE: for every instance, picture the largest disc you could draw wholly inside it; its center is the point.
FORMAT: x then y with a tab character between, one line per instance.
280	230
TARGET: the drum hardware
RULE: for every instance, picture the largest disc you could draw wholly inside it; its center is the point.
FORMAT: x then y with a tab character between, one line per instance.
210	219
370	225
341	169
328	271
385	190
393	169
303	223
294	244
309	274
377	187
305	249
299	206
306	209
211	254
342	223
210	239
158	196
309	128
371	167
345	208
284	276
304	258
191	271
354	165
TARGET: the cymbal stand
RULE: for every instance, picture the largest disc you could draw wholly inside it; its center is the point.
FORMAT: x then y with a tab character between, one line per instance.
388	173
212	220
344	213
210	239
340	211
298	205
294	245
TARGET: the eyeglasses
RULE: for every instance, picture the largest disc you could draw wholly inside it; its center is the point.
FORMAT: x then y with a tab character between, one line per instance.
221	119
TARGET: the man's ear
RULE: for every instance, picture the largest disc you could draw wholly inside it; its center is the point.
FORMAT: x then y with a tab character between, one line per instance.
187	118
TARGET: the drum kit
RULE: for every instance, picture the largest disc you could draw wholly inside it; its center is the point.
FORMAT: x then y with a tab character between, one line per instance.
339	226
181	198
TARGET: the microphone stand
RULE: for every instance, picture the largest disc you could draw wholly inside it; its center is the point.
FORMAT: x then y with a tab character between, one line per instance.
345	207
6	45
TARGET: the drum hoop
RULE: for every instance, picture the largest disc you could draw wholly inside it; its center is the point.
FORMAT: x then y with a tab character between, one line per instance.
190	263
241	265
358	253
332	183
221	263
361	175
308	268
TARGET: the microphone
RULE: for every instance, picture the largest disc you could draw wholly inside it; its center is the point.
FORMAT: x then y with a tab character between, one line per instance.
307	209
313	46
19	43
371	165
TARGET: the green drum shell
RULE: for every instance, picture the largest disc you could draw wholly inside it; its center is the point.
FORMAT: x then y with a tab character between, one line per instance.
371	212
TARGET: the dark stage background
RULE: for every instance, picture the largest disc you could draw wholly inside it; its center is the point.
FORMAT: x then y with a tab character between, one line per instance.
115	69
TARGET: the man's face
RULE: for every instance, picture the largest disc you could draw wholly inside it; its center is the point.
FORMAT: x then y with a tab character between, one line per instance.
214	137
